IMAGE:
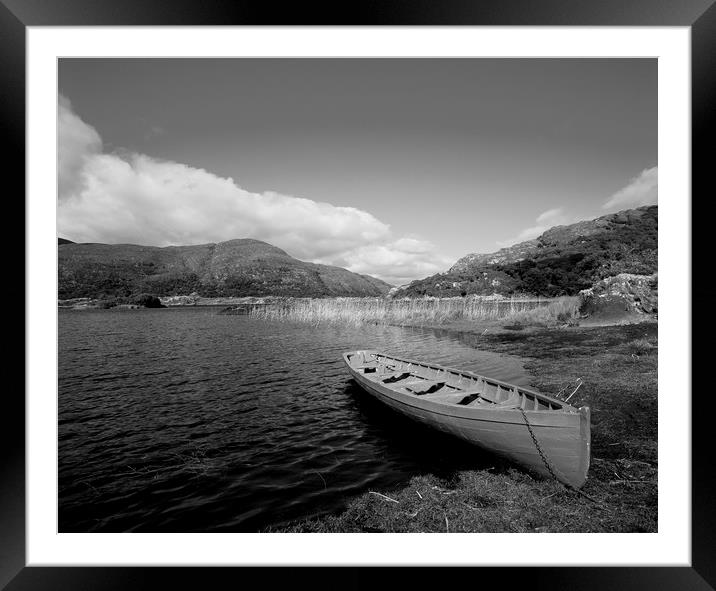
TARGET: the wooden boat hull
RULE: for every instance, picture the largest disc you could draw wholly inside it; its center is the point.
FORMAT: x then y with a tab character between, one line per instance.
562	433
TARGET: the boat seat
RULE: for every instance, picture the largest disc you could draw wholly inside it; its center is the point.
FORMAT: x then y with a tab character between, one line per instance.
397	378
381	373
421	387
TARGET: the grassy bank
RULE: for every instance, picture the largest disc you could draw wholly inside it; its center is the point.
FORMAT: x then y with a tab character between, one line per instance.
618	369
355	311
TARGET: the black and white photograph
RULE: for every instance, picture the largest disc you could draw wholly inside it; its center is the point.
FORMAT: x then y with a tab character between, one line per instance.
399	295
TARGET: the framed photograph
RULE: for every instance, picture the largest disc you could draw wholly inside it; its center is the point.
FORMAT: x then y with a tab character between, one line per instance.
320	279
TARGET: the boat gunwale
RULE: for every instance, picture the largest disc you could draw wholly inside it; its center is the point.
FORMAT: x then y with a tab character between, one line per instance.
565	407
484	414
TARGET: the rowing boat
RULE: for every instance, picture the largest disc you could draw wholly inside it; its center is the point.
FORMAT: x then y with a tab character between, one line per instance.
535	430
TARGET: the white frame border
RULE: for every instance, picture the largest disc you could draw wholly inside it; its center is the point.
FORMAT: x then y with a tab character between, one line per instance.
671	546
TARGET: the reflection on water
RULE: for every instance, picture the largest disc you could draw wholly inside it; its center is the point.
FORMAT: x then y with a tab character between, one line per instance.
185	420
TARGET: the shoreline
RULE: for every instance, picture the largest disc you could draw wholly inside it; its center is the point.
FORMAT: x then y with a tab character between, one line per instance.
618	366
193	300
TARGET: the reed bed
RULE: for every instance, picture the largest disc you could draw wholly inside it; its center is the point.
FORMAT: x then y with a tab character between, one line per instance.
564	310
356	311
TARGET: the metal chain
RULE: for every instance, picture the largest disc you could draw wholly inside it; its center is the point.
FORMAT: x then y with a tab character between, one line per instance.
548	464
545	461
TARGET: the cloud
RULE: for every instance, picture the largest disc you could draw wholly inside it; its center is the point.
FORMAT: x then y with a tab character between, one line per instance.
397	262
134	198
544	221
78	143
641	190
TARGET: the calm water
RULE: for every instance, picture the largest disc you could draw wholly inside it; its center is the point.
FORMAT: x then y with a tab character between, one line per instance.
185	420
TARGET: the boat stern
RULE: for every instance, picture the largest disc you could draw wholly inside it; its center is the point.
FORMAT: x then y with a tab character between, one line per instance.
585	434
358	357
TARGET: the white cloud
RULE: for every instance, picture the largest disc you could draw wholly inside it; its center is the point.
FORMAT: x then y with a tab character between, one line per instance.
641	190
78	143
544	221
134	198
397	262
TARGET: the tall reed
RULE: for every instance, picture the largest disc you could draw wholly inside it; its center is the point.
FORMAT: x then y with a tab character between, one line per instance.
357	311
560	311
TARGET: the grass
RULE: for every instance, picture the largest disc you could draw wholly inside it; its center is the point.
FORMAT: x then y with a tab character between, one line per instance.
485	502
618	369
560	311
355	311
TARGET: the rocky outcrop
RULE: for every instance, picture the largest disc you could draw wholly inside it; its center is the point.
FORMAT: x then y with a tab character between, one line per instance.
622	295
511	254
193	299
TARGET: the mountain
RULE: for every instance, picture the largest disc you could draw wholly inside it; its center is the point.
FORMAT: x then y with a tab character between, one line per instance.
242	267
562	261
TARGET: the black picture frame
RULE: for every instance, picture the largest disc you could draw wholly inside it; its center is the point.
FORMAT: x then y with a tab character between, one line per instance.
699	15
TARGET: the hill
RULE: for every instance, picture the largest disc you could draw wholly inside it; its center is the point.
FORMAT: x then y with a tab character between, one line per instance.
562	261
242	267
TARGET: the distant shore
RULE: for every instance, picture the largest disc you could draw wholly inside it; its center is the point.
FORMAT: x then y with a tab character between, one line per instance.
353	310
617	365
167	302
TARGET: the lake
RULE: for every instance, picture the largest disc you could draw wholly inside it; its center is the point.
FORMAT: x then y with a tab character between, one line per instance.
184	420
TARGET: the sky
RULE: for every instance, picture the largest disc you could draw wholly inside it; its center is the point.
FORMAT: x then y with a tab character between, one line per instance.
390	167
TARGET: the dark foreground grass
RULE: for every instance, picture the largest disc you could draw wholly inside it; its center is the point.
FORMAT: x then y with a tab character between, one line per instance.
618	369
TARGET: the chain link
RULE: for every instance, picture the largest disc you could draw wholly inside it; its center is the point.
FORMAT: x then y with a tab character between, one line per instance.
542	455
551	469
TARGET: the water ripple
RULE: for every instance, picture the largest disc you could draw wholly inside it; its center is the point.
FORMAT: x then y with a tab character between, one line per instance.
184	420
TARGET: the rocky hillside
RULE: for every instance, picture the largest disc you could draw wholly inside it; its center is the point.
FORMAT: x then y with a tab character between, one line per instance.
242	267
562	261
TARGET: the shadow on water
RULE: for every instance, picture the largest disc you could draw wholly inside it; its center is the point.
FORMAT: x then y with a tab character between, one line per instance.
415	447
